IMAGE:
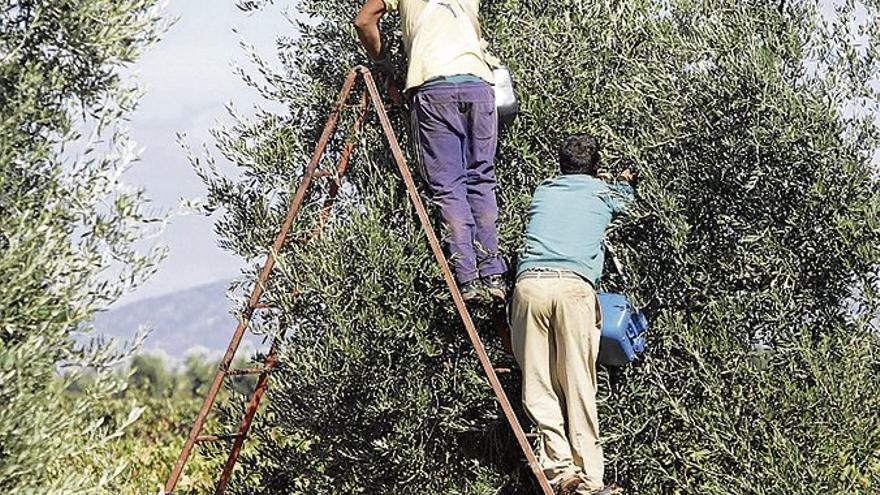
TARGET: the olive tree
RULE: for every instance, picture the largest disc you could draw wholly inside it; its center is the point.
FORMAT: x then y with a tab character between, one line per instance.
753	247
68	229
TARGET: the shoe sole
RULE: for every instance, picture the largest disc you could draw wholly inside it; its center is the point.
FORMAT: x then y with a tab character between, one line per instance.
609	491
569	487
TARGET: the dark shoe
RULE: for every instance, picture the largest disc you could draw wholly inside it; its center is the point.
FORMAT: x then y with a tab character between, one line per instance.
611	489
496	286
570	486
470	291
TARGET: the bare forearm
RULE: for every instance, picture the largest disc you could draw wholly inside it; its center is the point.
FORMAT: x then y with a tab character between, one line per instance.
371	39
367	25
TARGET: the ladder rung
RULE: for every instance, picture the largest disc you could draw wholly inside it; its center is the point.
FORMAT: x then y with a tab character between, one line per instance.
247	371
531	436
217	438
293	293
502	371
323	173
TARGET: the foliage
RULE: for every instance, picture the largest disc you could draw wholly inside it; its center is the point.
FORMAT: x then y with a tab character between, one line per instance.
170	397
754	247
67	232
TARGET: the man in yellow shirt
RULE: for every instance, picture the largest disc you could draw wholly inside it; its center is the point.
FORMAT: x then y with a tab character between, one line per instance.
449	83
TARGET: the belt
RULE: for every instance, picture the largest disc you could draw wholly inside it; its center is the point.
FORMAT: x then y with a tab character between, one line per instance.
550	273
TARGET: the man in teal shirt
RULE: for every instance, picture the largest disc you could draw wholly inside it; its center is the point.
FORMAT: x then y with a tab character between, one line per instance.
555	314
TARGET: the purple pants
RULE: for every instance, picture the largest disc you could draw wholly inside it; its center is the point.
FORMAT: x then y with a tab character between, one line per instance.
457	131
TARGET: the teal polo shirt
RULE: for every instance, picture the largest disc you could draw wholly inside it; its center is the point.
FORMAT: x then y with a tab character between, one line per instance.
567	222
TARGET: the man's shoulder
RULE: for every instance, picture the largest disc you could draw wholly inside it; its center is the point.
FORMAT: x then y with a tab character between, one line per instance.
580	182
582	191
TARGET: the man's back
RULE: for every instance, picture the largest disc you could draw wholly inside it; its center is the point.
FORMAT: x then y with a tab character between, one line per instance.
567	222
441	39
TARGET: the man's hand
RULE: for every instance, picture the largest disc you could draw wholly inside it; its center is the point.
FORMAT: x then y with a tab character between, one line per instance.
383	67
630	175
367	25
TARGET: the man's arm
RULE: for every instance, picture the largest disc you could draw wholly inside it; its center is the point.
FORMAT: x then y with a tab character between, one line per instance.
367	25
623	194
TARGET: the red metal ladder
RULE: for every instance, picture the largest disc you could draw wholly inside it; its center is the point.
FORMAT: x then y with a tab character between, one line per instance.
371	94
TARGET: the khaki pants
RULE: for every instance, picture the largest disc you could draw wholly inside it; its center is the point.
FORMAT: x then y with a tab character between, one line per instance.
555	333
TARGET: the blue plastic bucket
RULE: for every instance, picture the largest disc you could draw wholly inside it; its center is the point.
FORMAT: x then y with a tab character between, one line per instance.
623	330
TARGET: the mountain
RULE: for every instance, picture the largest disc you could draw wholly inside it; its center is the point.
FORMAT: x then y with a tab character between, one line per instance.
197	319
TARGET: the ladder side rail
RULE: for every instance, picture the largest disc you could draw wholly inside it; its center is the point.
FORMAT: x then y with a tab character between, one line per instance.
250	412
327	207
257	291
271	358
453	288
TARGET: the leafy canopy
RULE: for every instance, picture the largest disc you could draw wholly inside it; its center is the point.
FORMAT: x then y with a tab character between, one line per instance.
754	248
67	232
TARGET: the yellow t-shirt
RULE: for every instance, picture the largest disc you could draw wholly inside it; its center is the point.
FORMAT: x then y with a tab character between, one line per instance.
446	42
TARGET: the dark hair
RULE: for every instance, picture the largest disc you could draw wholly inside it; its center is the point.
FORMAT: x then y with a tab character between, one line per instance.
579	155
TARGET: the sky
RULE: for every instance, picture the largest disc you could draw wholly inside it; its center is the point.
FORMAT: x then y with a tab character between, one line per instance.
188	78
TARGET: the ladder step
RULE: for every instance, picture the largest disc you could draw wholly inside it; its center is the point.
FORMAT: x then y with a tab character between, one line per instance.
293	293
248	371
502	371
218	438
323	173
